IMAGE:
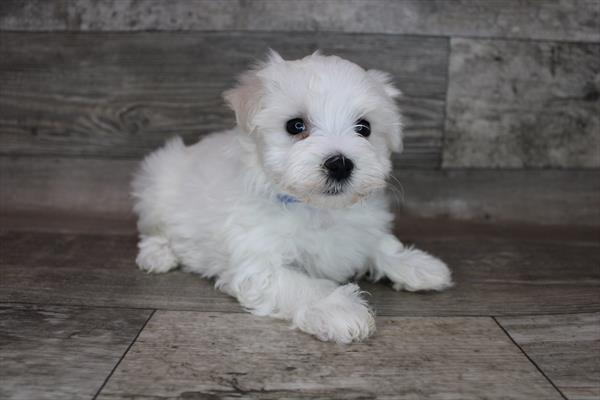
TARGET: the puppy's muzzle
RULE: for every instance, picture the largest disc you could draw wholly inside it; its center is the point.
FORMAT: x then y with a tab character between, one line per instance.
338	168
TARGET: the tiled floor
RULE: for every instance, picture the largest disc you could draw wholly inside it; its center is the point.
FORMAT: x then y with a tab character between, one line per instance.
78	320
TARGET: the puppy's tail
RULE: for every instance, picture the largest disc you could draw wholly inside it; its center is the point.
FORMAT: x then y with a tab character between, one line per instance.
154	184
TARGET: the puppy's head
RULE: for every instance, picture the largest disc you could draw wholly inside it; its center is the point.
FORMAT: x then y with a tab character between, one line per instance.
324	127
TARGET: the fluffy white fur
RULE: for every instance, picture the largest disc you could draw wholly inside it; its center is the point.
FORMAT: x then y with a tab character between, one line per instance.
213	207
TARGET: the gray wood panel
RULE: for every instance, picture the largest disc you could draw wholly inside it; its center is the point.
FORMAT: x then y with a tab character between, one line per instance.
75	185
226	356
33	15
62	352
120	96
545	197
565	347
67	222
494	276
502	277
556	19
523	104
96	270
101	187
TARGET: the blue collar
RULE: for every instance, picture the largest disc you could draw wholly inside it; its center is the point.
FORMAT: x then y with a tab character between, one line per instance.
287	199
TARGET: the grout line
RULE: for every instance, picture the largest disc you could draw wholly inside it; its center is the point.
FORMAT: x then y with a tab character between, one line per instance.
119	307
7	304
124	354
241	32
529	358
499	38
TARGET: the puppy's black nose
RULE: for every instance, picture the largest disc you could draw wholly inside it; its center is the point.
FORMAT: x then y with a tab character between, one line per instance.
338	167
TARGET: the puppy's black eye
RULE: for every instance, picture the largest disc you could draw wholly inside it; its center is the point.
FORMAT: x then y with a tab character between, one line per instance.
363	127
295	126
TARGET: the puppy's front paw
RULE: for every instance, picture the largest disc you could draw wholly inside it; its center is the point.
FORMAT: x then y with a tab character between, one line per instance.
343	316
155	255
418	270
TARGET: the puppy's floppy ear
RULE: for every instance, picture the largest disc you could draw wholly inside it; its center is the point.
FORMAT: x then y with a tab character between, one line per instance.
396	144
273	57
385	80
395	134
245	99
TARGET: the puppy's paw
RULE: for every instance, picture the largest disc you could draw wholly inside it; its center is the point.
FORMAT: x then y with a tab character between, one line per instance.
343	316
155	255
418	270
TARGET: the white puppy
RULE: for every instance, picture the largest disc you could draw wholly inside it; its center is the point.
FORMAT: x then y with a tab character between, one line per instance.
288	206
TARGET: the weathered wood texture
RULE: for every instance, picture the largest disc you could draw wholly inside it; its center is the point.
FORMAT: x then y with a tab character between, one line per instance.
61	352
101	187
571	20
512	103
96	270
120	96
82	223
523	104
85	186
502	277
529	196
206	355
493	276
565	347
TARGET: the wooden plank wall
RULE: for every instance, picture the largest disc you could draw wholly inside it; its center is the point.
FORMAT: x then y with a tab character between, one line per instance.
498	84
111	95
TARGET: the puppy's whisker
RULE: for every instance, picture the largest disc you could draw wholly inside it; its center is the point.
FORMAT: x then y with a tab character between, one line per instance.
397	190
397	181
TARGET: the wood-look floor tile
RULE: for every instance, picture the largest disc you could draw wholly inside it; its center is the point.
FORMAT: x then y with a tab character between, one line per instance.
494	276
62	352
503	277
96	270
192	355
565	347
